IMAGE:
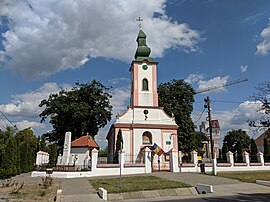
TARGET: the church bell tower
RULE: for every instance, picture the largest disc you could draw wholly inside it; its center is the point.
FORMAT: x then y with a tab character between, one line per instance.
143	76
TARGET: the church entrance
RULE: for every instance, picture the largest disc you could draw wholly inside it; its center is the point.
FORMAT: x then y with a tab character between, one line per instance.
160	163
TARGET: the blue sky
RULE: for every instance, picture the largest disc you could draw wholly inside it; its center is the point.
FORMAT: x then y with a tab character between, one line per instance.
44	45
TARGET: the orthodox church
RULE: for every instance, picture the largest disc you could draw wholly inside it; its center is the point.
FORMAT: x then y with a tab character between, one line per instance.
144	123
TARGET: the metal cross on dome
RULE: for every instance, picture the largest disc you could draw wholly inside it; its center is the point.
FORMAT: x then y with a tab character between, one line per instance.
139	19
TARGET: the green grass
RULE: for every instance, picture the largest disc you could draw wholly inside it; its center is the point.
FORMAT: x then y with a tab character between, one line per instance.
135	183
250	177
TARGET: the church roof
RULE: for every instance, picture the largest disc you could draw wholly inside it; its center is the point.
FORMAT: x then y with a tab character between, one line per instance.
84	141
143	51
259	140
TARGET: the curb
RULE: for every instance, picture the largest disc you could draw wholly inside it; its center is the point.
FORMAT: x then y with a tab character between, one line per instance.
153	194
261	182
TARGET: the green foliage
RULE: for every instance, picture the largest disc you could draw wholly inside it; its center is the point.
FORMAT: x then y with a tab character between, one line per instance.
42	143
225	149
53	154
17	152
253	150
136	183
177	97
253	147
237	141
266	147
119	146
103	152
85	108
199	137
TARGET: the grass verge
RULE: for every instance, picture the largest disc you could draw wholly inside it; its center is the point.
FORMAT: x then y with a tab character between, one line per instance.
250	177
135	183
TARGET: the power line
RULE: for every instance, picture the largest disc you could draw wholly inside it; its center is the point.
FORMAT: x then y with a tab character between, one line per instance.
227	101
6	118
199	116
221	86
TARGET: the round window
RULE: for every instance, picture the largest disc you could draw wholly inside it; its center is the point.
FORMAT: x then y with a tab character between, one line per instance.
145	67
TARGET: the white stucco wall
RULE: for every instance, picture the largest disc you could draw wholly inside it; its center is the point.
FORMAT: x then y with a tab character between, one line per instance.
154	116
82	154
145	97
126	141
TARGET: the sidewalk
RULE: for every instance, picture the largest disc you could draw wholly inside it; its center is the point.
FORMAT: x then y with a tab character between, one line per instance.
78	189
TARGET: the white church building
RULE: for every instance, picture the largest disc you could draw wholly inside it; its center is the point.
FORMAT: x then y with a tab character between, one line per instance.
144	123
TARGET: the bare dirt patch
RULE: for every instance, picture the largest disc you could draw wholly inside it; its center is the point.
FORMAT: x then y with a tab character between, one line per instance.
29	191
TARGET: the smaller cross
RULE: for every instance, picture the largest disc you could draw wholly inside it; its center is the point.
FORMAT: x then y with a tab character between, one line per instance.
139	19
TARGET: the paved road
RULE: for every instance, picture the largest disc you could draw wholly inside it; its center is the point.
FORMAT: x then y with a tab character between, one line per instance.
234	198
78	189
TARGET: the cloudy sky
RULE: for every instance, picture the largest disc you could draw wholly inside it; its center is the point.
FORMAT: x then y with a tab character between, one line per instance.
45	45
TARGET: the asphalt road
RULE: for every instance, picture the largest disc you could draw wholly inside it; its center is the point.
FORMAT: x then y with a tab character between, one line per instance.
235	198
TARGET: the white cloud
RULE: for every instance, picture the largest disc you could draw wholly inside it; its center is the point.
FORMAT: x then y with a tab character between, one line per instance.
119	80
253	19
215	82
120	98
119	101
45	37
26	105
194	78
26	124
264	47
235	119
244	68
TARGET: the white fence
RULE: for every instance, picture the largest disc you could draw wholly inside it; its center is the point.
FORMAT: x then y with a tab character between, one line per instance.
194	166
106	169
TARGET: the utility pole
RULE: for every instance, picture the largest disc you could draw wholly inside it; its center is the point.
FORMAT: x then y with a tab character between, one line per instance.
214	161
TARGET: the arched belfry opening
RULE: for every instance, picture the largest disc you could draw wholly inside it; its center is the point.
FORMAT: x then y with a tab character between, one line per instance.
145	84
147	138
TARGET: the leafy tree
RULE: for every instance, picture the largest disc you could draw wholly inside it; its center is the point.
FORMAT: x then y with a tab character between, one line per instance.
253	150
237	141
53	154
119	146
103	152
262	96
42	143
177	98
225	149
28	146
17	152
85	108
199	137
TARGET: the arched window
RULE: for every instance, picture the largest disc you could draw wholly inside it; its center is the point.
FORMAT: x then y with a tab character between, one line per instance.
147	138
145	84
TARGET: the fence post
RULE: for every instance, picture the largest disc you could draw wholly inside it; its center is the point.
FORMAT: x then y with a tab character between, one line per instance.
121	159
147	160
230	159
174	160
94	159
194	157
260	158
180	155
246	159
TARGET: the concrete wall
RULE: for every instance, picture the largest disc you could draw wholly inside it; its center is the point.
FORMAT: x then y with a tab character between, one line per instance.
105	169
